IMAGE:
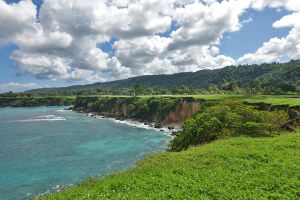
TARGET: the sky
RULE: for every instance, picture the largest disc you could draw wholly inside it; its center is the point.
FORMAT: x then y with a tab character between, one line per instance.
52	43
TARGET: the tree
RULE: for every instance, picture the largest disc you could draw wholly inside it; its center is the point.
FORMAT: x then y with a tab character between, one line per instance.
297	87
213	89
137	89
149	91
287	87
174	91
256	87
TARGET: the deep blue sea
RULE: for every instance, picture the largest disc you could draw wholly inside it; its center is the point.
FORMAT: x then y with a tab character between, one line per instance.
43	148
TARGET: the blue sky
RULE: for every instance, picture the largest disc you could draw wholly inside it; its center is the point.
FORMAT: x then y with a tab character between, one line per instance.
254	33
81	53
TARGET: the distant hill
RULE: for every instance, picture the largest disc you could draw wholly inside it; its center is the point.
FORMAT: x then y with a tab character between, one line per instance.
267	73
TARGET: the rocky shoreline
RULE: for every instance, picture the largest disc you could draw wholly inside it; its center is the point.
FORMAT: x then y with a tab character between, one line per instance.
173	129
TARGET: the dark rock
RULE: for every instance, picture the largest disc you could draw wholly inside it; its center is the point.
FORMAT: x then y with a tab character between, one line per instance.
171	127
69	108
290	127
291	124
118	117
176	133
158	125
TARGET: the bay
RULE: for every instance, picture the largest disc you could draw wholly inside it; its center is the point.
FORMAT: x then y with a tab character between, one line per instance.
43	148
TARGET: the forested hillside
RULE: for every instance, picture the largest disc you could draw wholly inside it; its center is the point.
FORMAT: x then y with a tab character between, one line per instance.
285	76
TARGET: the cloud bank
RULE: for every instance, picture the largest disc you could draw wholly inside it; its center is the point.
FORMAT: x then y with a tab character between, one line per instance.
17	87
62	40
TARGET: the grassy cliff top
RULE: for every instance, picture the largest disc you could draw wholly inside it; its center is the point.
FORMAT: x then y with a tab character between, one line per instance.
236	168
291	100
275	100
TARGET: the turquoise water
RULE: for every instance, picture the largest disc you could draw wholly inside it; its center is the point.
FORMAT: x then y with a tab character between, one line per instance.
45	147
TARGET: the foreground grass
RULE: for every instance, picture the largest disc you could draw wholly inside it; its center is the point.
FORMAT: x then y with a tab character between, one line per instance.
236	168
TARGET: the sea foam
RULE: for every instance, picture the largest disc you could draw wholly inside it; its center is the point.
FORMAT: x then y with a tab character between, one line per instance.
140	125
42	118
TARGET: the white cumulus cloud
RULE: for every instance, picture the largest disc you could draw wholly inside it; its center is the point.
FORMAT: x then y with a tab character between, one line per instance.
62	40
277	48
16	19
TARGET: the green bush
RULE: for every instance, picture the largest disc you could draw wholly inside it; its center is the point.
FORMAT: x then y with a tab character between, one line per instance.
227	119
257	129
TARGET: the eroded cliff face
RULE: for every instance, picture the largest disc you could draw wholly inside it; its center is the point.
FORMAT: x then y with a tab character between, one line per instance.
183	111
165	110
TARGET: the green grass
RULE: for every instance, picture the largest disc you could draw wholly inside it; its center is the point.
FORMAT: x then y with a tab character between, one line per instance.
236	168
198	96
291	100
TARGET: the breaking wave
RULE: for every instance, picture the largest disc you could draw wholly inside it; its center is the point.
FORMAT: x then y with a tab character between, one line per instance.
42	118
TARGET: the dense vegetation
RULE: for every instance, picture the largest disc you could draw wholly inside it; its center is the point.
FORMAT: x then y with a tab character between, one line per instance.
236	168
24	101
228	119
272	78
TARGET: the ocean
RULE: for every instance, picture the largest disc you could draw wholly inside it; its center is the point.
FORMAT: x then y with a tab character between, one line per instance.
45	148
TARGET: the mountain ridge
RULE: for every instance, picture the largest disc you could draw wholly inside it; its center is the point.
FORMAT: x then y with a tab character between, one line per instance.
267	73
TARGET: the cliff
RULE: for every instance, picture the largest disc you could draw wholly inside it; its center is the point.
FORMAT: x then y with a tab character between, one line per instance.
165	110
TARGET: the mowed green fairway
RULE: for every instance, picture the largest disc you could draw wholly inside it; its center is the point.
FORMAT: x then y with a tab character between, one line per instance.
236	168
291	100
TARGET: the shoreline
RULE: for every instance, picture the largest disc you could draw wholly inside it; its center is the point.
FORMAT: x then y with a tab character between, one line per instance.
173	129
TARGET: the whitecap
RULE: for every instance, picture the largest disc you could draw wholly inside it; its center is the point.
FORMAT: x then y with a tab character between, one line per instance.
141	125
133	123
42	118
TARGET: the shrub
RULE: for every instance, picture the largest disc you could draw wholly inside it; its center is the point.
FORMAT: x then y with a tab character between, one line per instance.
257	129
227	119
